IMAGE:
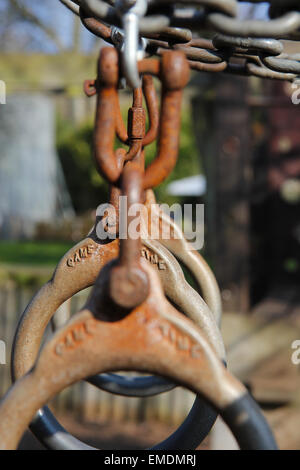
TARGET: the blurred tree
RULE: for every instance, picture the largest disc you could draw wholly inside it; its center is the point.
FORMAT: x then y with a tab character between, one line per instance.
87	189
47	26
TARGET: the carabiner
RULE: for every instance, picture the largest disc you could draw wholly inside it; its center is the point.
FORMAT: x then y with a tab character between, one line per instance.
130	22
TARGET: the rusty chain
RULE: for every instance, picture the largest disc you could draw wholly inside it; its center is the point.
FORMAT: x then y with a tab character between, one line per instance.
128	282
246	47
128	286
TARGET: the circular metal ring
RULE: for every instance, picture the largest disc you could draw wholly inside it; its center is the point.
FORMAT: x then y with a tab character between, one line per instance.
189	435
201	417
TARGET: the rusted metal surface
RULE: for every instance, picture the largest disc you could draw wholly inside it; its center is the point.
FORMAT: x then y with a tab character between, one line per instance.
173	71
128	323
184	252
174	74
152	107
79	268
128	286
160	224
177	290
105	32
95	26
153	337
235	39
105	123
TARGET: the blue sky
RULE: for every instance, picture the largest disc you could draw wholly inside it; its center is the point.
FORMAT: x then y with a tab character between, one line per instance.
52	13
261	10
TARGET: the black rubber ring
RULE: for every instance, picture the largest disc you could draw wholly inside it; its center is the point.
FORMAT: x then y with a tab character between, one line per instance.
248	425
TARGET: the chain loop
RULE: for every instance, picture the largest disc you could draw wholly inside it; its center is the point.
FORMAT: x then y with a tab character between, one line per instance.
169	25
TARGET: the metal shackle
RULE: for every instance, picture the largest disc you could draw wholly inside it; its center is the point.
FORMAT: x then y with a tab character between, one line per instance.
173	71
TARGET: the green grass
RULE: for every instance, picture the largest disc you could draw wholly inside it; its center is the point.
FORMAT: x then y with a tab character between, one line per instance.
32	253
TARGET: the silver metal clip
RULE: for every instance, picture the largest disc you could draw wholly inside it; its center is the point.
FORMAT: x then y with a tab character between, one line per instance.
130	12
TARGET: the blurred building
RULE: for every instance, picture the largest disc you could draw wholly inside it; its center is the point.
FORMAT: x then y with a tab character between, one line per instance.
32	187
248	136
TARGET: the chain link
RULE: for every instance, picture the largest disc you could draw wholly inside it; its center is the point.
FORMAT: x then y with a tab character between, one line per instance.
246	47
